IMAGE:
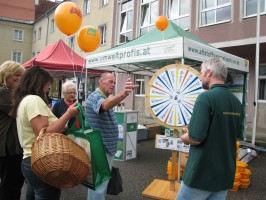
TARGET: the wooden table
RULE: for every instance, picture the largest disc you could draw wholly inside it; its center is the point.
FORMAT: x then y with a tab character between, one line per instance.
160	189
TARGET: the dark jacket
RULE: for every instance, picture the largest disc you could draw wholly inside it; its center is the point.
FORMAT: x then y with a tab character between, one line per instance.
9	143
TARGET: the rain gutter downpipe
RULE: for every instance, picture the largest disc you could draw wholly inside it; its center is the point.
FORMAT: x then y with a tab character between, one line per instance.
255	103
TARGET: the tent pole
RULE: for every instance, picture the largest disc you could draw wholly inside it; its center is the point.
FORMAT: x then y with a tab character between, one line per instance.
86	83
116	80
256	73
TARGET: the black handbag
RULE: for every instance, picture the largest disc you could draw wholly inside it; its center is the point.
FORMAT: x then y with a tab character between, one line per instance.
115	183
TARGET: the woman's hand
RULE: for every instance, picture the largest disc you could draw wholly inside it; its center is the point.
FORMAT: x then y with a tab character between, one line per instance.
73	110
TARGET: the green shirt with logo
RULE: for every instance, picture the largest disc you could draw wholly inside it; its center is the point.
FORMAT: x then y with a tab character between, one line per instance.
216	123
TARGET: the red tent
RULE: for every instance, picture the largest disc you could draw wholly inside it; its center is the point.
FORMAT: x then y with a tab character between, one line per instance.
59	57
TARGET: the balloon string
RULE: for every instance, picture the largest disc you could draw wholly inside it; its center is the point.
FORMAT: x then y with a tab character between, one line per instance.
83	66
73	63
71	60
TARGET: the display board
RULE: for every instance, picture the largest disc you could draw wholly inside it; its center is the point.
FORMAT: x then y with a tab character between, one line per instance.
171	95
127	137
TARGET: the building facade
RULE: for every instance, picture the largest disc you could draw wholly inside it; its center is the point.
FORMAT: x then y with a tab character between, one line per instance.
16	25
229	25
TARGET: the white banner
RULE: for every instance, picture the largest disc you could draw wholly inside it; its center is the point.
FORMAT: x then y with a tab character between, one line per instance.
201	52
165	49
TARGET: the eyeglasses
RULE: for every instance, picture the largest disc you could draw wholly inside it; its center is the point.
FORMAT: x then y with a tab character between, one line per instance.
71	93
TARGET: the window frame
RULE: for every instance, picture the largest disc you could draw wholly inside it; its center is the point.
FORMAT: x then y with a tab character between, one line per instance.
262	77
214	8
142	81
127	31
103	34
182	16
245	16
18	35
15	54
71	42
87	7
52	26
39	34
103	3
150	25
34	36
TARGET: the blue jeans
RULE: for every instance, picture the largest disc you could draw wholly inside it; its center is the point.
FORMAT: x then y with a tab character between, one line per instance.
100	192
36	188
188	193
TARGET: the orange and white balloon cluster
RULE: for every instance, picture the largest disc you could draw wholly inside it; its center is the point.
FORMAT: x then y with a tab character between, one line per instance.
68	19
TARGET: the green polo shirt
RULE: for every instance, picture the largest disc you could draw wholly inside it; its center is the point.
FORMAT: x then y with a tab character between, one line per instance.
216	123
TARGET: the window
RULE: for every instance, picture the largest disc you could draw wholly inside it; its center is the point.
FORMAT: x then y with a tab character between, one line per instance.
71	42
178	12
92	84
214	11
39	33
103	2
250	7
34	36
87	7
18	35
142	81
262	82
52	26
126	23
17	56
102	30
149	14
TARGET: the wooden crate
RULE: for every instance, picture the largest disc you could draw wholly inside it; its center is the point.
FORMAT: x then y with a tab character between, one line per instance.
153	129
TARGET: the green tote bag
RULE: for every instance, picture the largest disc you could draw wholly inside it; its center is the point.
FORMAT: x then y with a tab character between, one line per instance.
90	139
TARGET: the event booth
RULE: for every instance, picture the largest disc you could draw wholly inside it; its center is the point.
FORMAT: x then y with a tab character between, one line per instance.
62	63
150	52
168	56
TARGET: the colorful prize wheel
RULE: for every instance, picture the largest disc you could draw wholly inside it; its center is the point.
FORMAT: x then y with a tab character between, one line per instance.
171	95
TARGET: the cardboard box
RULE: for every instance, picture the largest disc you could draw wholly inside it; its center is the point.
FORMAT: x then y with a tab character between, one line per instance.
184	157
153	130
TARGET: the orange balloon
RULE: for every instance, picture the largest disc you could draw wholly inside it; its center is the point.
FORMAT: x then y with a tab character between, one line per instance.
89	38
161	23
68	18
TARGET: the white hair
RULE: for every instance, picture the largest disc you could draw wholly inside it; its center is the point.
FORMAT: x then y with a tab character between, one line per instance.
216	66
67	86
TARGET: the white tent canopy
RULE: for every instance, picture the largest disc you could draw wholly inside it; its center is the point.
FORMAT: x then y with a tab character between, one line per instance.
154	50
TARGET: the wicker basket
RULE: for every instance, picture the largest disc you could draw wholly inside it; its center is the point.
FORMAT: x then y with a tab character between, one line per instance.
58	160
